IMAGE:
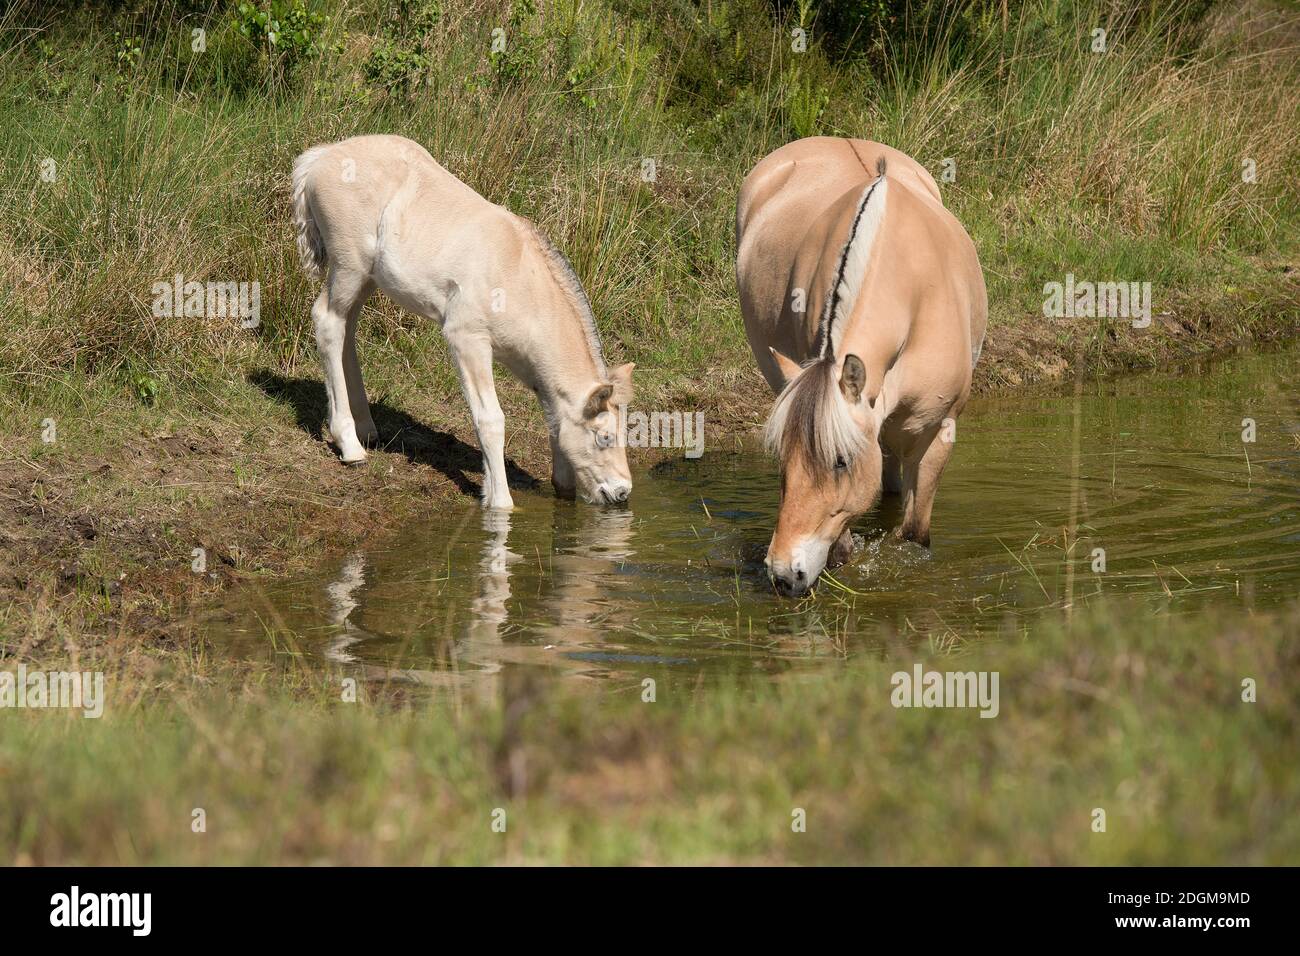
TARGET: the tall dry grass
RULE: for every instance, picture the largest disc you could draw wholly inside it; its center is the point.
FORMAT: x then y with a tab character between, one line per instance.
1122	164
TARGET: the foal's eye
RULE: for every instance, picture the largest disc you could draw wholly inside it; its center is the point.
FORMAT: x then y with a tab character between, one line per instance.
840	463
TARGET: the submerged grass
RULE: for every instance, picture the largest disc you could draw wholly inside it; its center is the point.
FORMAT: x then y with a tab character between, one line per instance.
1144	720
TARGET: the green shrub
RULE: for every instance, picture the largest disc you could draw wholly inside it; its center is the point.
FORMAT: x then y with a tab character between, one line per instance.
287	31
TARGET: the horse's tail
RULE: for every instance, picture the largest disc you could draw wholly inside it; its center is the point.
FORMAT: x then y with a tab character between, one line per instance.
311	247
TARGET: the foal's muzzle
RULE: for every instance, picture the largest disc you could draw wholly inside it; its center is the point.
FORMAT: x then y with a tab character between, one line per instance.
613	492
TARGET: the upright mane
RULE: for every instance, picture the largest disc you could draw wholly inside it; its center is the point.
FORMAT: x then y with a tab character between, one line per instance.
562	272
811	419
851	270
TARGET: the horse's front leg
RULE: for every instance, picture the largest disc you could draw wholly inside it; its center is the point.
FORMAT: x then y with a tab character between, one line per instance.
473	356
842	549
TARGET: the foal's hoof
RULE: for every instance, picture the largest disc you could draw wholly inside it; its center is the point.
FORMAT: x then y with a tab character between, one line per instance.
349	456
352	457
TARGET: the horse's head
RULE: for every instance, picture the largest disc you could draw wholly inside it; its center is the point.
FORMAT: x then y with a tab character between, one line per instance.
590	455
825	431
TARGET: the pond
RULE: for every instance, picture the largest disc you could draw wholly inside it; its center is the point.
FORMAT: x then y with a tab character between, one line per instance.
1146	490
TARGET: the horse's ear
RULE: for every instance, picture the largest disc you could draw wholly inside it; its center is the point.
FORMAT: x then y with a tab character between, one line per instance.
853	378
597	400
621	379
790	369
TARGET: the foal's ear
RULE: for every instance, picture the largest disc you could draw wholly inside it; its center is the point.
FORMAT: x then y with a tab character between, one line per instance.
853	378
621	379
790	369
597	401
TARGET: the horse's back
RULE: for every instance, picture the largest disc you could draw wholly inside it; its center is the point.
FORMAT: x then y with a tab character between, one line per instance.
810	174
384	196
795	213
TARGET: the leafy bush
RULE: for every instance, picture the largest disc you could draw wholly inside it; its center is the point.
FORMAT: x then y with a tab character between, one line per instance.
520	56
395	67
289	32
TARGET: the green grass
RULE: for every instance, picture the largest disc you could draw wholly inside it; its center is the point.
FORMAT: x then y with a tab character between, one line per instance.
1143	719
1117	165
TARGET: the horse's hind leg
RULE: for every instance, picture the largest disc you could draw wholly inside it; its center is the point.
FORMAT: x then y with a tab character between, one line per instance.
920	480
367	433
330	317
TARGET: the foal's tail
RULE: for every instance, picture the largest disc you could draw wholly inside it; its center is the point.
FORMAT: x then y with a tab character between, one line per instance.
311	248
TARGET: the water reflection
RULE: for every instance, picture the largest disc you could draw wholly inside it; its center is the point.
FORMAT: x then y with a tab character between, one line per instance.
341	594
1188	517
587	546
490	607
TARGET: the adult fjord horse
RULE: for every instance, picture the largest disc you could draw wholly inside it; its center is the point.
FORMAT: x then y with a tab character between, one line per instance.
379	212
865	306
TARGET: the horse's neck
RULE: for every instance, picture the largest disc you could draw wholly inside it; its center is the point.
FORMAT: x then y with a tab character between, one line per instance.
558	364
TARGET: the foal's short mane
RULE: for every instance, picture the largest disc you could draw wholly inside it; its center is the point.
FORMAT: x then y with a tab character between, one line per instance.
562	272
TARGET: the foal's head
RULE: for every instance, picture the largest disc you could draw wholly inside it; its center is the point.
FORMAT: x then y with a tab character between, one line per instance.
825	431
590	456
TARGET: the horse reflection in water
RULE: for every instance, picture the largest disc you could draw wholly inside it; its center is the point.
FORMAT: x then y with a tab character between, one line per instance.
589	546
343	600
549	628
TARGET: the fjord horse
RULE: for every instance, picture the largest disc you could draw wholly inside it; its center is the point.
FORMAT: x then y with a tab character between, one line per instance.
379	212
865	306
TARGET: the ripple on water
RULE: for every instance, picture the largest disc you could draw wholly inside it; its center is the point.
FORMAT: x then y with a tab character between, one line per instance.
1188	516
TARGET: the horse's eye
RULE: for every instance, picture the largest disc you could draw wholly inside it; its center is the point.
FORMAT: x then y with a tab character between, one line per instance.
840	463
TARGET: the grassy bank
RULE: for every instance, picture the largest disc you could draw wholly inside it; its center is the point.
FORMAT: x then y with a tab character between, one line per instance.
1144	720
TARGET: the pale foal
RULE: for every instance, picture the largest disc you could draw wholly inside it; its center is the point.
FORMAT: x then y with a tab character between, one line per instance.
378	212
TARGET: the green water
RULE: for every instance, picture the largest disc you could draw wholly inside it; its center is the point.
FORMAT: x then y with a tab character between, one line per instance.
1152	469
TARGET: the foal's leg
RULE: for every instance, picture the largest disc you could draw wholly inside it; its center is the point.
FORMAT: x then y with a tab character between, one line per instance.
329	315
367	434
920	482
473	356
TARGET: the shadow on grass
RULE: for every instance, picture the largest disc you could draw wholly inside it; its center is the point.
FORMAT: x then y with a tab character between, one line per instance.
398	432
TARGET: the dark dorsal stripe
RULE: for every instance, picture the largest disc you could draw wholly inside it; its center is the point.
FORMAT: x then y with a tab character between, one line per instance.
824	345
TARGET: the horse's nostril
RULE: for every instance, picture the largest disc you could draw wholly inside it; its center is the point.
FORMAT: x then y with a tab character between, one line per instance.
623	494
799	575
